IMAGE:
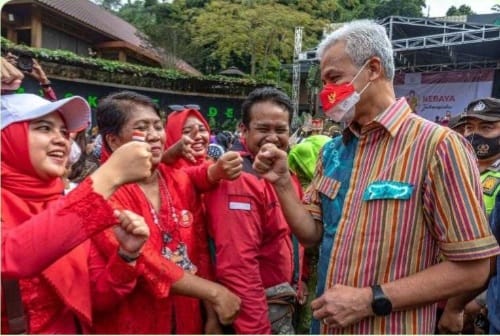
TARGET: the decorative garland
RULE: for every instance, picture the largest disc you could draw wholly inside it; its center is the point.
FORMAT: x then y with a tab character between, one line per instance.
67	64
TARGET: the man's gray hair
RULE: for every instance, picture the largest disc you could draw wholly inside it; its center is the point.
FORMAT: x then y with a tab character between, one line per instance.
364	39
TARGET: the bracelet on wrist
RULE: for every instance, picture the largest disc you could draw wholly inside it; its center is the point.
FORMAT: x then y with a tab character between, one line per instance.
128	258
46	85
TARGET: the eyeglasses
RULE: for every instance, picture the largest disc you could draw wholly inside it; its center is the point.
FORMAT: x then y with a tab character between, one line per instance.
177	108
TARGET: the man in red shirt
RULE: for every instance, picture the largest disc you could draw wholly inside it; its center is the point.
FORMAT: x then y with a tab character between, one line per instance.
254	251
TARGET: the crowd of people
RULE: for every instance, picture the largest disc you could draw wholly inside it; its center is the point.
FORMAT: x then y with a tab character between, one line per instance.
388	224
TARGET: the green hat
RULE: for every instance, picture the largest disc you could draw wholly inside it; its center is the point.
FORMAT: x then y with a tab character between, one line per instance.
303	156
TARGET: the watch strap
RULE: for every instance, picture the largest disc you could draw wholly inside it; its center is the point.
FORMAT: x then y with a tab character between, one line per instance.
127	258
381	305
47	84
377	292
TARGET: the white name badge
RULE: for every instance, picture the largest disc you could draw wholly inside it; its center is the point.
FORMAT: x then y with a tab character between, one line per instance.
239	206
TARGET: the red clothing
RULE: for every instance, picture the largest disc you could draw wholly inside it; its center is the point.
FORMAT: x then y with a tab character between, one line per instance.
174	126
197	171
253	245
138	302
39	226
49	93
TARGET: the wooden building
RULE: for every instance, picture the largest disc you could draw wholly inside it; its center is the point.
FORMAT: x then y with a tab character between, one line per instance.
82	27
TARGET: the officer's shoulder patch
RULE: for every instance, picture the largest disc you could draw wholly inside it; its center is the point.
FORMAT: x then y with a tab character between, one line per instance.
490	184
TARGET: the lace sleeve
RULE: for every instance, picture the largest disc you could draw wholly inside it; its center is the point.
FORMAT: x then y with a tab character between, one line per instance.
33	245
92	209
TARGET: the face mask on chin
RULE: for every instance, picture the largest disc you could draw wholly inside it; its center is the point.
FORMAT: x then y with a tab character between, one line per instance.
485	148
339	100
74	153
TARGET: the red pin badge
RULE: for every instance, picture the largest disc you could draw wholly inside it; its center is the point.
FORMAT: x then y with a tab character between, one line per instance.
186	218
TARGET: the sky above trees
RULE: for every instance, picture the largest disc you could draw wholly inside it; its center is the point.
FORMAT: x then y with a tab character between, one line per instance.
439	7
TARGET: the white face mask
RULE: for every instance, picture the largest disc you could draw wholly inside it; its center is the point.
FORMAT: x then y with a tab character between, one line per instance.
344	111
74	153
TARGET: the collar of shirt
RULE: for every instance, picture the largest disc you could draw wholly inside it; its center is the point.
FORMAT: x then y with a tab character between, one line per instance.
389	120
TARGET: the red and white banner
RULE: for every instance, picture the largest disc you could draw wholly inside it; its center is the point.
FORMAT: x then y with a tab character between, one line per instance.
433	94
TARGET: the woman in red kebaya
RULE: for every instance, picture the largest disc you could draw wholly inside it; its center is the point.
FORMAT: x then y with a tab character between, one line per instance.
188	137
139	301
191	123
190	126
45	243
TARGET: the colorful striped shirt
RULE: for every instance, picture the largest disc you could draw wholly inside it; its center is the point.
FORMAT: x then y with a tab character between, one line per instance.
413	192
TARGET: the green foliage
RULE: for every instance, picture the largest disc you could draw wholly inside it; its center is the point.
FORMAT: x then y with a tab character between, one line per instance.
196	3
260	31
257	36
399	8
69	58
132	74
111	5
462	10
165	25
313	77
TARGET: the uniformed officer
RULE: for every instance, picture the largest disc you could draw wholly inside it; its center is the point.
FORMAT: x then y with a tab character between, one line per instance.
457	123
482	129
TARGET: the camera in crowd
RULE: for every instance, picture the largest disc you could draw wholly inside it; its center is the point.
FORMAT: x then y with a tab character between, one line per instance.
25	63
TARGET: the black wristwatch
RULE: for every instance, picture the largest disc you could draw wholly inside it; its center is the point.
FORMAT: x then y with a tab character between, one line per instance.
46	85
381	305
127	258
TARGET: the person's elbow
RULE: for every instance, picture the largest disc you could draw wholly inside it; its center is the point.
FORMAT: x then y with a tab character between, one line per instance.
310	234
14	270
479	273
309	242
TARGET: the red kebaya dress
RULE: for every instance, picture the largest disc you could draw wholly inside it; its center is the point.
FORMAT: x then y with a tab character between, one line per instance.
39	226
138	301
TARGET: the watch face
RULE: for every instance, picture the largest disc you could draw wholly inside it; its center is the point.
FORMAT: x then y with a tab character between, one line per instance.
382	306
215	151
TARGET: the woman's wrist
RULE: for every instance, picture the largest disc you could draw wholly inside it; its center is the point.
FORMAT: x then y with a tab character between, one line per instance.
105	181
214	173
128	256
45	83
43	80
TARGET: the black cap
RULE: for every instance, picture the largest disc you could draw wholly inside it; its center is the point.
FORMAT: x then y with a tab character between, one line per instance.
485	109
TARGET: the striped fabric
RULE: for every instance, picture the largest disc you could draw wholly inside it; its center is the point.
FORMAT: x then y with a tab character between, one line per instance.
381	240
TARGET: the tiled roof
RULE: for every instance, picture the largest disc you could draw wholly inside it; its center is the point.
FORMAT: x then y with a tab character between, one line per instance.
186	67
100	19
107	23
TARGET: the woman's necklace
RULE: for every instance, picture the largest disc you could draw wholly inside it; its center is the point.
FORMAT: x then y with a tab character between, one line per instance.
173	248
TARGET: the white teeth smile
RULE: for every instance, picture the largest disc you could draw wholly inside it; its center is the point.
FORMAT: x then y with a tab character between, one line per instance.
57	154
197	146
